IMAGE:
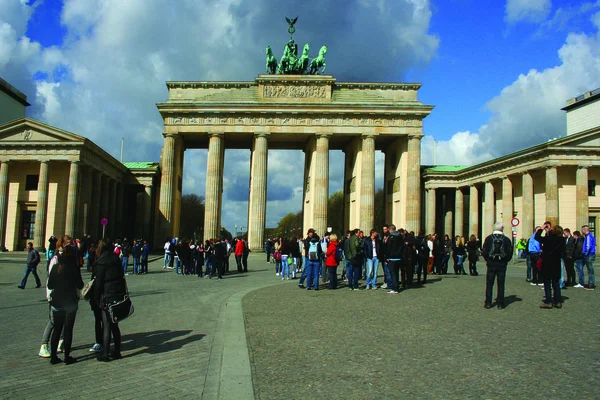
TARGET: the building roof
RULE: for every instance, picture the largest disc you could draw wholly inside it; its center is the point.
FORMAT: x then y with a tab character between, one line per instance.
141	165
13	92
445	168
585	98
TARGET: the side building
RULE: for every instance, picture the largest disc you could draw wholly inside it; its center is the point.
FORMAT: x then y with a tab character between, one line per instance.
554	181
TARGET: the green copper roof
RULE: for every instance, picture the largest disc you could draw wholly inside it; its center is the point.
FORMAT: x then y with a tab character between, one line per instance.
446	168
141	165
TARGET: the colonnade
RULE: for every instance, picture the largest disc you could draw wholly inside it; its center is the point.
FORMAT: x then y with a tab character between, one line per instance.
533	196
316	184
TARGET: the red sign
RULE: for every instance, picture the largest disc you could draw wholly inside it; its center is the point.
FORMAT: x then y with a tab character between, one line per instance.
515	221
104	221
515	234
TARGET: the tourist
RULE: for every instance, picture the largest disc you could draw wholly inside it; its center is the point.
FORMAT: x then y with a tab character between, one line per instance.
446	254
285	255
51	250
589	255
296	255
431	259
172	245
578	257
438	255
473	248
568	259
324	272
268	245
137	254
352	257
497	252
332	260
245	255
313	259
64	280
393	253
208	257
300	255
33	259
125	250
277	255
553	249
239	252
387	277
145	254
533	254
98	324
461	253
219	255
409	260
109	286
422	257
521	246
373	252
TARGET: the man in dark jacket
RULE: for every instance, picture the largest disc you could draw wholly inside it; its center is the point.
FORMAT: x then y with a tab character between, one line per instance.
497	252
33	259
394	247
373	253
352	257
569	260
219	256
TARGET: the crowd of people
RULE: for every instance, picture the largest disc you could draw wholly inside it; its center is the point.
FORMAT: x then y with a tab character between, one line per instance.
552	255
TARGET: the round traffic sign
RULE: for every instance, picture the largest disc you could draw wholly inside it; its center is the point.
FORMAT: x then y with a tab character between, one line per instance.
515	234
104	221
515	221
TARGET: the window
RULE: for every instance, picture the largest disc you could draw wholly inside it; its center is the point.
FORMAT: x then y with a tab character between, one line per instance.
31	182
592	225
28	224
592	188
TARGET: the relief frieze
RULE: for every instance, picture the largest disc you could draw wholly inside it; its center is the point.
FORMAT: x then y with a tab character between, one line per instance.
286	120
294	92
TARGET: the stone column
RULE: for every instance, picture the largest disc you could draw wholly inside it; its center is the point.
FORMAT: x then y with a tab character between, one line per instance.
430	211
581	198
413	186
489	208
94	222
41	208
3	201
528	211
72	199
458	213
257	206
367	184
167	186
147	213
321	184
507	204
552	195
214	171
448	216
473	211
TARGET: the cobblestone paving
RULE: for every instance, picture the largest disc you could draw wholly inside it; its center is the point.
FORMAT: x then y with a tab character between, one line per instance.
168	344
431	342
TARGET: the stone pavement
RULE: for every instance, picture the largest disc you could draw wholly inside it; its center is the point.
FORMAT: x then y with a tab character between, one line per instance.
186	339
432	342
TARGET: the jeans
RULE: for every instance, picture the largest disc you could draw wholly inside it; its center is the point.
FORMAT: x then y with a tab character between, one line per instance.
422	269
144	264
49	329
445	260
460	263
519	253
312	276
277	266
304	272
352	275
529	267
394	268
579	267
285	268
332	272
136	265
372	264
387	276
570	269
238	263
549	287
167	260
561	282
31	270
124	263
177	265
209	266
492	273
589	263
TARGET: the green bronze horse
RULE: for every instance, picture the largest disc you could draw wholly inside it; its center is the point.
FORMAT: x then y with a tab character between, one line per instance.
271	62
318	62
302	63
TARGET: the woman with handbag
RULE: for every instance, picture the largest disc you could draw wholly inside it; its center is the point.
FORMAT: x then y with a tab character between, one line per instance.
109	286
553	250
64	282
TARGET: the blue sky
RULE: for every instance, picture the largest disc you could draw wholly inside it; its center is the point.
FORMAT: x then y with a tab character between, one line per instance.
497	72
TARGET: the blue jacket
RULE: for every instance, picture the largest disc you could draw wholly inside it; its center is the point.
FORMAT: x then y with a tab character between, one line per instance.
534	245
589	245
145	251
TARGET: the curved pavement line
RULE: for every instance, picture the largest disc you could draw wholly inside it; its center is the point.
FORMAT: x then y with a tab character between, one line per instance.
229	373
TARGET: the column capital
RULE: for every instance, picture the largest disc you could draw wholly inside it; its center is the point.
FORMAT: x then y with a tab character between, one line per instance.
582	167
262	134
505	178
551	167
216	134
170	135
44	160
415	136
323	135
369	135
526	172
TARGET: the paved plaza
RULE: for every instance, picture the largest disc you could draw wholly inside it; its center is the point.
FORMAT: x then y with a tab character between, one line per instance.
189	338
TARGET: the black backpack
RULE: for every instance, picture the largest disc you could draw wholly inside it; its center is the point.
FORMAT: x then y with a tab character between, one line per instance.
497	250
424	248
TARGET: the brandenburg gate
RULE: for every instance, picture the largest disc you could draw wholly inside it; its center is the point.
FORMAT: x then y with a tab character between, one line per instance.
313	113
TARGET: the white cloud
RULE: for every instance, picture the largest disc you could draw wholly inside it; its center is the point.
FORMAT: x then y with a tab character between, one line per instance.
528	111
527	10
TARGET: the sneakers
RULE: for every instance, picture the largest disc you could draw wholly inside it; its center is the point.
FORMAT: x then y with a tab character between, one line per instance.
546	305
21	287
44	352
578	286
392	292
61	346
533	284
591	287
96	348
301	286
277	273
384	286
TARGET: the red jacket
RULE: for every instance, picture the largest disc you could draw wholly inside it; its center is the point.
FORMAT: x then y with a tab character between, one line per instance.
239	248
330	260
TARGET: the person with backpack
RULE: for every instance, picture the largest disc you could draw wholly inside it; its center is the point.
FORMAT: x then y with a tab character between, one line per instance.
33	259
333	256
313	253
497	252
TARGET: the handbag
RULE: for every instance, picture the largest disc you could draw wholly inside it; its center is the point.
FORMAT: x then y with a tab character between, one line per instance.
539	263
120	310
86	292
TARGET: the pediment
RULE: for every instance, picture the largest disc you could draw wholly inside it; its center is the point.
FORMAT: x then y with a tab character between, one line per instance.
30	131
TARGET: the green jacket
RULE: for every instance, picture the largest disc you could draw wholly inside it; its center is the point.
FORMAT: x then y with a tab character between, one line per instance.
351	247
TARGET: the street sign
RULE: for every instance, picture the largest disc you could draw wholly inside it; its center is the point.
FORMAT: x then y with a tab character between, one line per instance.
514	229
515	221
104	221
514	234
